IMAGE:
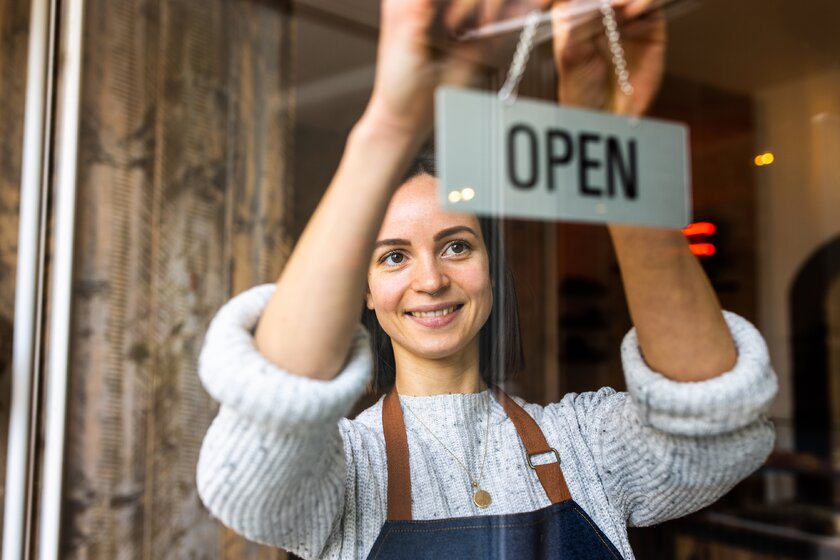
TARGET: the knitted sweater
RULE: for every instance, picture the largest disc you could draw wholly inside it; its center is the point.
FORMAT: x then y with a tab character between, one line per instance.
281	465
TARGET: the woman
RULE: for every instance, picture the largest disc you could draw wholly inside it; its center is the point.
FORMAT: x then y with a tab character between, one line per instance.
439	466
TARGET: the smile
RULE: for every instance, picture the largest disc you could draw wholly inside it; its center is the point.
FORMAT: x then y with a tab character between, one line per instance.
436	318
438	313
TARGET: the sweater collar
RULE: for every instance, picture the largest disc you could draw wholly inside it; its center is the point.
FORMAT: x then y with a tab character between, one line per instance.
453	411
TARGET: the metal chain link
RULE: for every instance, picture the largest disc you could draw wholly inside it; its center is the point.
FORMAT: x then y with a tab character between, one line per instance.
614	39
526	43
520	57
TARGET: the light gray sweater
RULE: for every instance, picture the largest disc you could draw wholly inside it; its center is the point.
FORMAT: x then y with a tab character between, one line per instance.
281	465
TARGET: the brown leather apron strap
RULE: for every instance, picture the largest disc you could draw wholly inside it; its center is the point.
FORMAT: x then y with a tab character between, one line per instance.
550	474
396	452
399	471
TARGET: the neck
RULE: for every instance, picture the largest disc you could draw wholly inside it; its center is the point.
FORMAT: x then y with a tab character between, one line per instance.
419	377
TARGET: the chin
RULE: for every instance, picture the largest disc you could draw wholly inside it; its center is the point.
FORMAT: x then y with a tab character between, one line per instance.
439	350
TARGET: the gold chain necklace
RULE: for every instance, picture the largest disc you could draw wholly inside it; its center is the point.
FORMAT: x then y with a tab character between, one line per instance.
480	497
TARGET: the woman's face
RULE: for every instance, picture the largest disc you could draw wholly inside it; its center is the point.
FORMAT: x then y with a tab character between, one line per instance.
429	278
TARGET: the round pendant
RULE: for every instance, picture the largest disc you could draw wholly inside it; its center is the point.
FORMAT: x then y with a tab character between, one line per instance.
482	498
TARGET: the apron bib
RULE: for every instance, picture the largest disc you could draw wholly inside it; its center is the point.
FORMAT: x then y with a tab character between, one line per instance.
562	530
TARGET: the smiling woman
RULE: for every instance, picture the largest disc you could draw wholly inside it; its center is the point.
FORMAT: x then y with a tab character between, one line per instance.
462	250
426	262
470	472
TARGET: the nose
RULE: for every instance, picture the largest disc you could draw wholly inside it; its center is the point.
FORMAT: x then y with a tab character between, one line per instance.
429	277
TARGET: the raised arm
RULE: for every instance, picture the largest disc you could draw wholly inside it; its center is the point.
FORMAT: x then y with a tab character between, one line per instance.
678	320
309	322
275	465
691	424
680	327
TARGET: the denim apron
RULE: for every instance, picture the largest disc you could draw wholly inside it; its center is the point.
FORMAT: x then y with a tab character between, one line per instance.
562	530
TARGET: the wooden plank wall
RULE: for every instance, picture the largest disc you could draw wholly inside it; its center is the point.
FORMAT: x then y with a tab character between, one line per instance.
183	187
185	184
14	34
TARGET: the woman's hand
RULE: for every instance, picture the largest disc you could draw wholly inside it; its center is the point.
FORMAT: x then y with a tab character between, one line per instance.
308	325
586	73
418	52
680	327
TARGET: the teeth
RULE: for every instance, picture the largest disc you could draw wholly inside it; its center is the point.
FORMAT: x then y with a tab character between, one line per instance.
438	313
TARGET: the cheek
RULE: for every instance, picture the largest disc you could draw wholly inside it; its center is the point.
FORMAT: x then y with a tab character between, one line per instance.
487	297
384	293
477	283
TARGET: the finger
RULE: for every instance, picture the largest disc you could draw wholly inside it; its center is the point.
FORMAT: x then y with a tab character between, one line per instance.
490	11
401	16
561	27
650	26
518	8
574	34
634	8
576	29
583	74
462	15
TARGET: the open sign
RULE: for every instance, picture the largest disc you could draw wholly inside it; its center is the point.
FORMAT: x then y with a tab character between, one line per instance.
538	160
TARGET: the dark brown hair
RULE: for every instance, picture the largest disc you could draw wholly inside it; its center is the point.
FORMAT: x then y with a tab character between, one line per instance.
500	343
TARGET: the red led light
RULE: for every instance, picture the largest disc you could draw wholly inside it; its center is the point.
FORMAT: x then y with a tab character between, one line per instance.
702	249
699	228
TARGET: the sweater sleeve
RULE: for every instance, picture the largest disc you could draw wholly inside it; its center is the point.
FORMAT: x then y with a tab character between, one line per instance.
667	448
272	464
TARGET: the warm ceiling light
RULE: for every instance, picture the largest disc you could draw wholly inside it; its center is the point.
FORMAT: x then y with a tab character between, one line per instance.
454	196
764	159
467	193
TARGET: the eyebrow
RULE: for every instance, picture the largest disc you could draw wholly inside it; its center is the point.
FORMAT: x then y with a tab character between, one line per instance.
389	242
438	236
452	231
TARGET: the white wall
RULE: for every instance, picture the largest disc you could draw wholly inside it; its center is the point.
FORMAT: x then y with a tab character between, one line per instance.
798	201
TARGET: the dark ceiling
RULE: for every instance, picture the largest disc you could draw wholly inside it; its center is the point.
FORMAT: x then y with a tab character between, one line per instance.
737	45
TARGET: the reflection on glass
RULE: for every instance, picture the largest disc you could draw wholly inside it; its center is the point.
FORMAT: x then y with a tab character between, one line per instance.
209	134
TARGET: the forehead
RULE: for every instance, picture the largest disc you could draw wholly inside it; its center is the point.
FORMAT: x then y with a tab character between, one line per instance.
414	212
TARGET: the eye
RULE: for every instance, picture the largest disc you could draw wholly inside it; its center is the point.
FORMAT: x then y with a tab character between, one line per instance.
394	258
458	247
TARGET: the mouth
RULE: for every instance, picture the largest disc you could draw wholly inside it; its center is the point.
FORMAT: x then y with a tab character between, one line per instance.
437	316
437	312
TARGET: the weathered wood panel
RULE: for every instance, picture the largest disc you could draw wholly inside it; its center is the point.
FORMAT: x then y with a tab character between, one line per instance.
182	188
14	34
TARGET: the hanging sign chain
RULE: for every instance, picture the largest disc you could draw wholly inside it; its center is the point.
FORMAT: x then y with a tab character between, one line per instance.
526	43
614	39
520	57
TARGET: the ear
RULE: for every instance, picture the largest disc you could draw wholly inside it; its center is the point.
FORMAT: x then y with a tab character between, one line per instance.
368	299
